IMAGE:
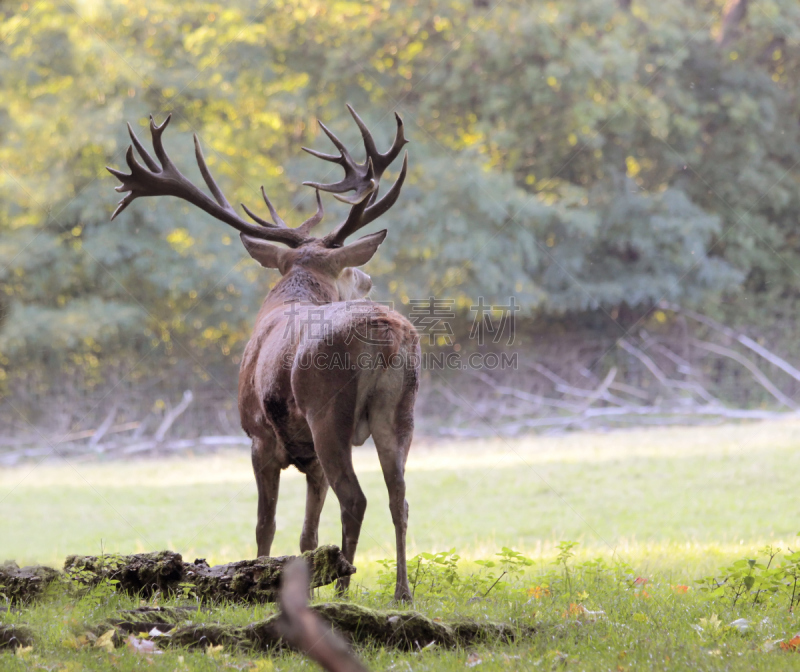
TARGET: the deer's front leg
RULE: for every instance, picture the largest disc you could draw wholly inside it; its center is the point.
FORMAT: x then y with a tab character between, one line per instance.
267	471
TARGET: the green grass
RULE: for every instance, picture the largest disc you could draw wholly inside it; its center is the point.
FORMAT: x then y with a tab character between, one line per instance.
674	504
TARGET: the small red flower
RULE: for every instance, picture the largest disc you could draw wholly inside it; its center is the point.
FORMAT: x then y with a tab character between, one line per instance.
792	645
640	581
574	610
680	589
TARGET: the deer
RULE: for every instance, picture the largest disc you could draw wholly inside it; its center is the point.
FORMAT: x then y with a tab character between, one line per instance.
297	408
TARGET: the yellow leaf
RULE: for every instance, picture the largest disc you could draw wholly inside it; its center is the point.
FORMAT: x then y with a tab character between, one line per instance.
105	641
263	665
214	651
23	651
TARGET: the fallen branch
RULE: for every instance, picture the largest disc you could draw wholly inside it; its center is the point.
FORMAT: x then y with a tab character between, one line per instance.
123	449
601	390
104	427
524	396
661	377
305	631
762	379
405	630
254	581
173	415
564	387
746	341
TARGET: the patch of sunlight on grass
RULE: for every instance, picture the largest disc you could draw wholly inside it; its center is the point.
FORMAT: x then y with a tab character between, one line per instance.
663	498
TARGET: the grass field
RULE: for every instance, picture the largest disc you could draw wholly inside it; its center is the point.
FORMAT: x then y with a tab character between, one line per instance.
674	504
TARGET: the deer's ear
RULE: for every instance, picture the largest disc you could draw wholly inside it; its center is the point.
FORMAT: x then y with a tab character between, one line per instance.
359	252
269	256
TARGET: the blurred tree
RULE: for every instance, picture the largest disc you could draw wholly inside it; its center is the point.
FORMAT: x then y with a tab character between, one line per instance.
579	155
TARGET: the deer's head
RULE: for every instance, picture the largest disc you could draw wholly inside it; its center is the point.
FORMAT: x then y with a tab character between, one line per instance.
327	258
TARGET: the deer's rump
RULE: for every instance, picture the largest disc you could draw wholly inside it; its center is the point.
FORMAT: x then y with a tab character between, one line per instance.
339	361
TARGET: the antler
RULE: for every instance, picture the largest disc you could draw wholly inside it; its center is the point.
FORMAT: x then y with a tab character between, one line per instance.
167	180
363	178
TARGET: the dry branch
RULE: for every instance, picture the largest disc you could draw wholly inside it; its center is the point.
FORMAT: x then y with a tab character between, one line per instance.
759	375
746	341
173	415
254	581
661	377
305	631
102	430
405	630
564	387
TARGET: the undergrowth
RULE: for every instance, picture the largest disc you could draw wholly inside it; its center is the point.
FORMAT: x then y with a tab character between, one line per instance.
600	613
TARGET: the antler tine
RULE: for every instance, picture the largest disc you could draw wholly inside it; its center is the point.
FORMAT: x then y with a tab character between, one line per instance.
276	222
167	180
322	155
315	219
206	173
365	212
375	210
362	178
149	160
338	143
156	132
380	161
354	173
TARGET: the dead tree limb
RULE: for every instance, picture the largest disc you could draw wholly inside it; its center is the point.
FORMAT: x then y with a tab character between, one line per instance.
15	636
601	390
746	341
357	624
525	396
564	387
254	581
20	585
173	415
757	373
102	430
306	631
661	377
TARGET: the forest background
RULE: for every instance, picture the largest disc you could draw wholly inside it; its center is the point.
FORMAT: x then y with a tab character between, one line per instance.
600	162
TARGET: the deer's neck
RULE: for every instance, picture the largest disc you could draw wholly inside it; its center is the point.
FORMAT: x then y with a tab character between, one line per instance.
301	285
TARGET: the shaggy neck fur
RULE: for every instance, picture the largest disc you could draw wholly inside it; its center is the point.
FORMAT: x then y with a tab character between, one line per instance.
301	285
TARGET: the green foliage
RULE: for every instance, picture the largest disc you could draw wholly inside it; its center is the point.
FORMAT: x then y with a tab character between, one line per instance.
606	623
574	154
762	580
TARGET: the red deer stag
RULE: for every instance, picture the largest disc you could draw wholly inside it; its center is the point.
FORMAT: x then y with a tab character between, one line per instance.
297	407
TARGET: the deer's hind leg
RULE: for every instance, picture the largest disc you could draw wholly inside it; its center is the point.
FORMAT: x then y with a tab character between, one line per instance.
316	490
267	470
392	427
392	453
332	444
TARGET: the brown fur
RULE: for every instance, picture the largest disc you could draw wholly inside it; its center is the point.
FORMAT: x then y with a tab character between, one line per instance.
309	417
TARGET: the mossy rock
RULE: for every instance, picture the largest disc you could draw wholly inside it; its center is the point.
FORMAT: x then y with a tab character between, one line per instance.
21	585
14	636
